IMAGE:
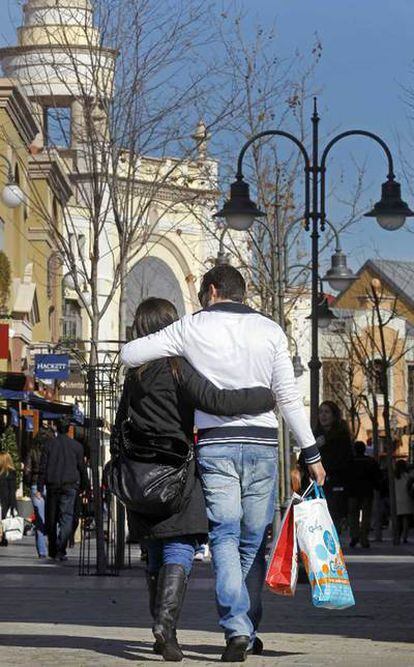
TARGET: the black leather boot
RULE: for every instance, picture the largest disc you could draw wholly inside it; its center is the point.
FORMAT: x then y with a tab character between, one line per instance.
152	584
172	584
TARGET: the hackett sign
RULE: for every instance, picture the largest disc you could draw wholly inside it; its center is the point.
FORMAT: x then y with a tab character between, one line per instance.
52	366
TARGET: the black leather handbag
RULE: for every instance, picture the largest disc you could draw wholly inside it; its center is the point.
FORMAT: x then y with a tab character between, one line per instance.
148	474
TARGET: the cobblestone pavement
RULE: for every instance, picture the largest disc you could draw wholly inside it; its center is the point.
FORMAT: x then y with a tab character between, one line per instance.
50	616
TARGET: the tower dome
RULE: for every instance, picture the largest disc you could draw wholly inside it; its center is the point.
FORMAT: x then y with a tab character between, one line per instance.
57	52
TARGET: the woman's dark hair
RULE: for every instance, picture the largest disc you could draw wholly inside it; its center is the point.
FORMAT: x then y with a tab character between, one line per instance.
401	467
359	448
39	440
339	425
151	316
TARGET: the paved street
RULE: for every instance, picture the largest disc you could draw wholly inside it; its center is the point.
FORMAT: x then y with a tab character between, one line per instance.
49	616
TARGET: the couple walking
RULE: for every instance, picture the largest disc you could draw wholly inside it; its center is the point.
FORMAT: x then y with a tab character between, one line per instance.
228	362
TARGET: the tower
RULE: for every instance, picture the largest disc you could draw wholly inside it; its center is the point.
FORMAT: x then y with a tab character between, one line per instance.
59	58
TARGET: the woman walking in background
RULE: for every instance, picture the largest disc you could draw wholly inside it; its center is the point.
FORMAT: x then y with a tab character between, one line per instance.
405	503
335	445
8	489
31	471
159	398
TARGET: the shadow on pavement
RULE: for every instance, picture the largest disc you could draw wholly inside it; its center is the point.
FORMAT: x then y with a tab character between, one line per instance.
207	649
116	648
111	647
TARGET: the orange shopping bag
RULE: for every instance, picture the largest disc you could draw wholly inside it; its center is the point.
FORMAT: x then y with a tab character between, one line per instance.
282	569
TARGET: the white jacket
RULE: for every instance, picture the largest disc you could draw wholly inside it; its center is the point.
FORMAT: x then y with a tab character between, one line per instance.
234	346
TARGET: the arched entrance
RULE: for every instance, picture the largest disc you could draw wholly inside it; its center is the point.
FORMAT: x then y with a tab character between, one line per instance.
151	276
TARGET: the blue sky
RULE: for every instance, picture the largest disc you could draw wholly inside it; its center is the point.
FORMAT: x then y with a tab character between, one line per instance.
368	56
367	59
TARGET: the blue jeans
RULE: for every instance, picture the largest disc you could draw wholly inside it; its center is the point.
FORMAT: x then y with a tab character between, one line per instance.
60	504
240	483
40	527
172	550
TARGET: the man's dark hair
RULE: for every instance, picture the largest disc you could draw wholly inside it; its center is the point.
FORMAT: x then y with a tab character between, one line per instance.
63	425
228	282
359	448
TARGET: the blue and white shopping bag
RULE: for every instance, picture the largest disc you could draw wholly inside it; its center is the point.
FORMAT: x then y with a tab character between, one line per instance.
321	553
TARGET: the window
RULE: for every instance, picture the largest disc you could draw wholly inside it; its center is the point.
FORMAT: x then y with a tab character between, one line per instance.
55	213
72	320
410	397
57	126
53	267
82	245
18	181
379	375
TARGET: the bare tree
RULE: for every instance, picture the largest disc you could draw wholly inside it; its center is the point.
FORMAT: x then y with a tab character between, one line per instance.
272	92
114	102
129	99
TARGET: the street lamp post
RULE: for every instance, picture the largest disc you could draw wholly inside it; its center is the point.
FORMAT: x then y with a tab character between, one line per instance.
240	212
11	195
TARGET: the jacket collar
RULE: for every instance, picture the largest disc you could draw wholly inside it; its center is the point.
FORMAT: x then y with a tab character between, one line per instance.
230	307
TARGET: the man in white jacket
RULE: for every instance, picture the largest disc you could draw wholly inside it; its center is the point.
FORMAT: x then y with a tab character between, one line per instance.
235	346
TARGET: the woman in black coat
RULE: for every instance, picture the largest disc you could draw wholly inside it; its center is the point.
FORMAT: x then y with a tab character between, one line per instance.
7	489
160	398
335	445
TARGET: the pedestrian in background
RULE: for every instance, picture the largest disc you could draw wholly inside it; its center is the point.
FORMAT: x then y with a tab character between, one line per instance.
8	489
364	479
31	472
62	471
404	501
335	445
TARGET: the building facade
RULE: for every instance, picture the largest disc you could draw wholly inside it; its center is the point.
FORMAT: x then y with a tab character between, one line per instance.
352	354
58	46
33	310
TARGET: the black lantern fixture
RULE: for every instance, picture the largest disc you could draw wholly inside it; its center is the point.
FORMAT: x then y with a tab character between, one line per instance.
324	313
391	211
222	258
239	211
339	276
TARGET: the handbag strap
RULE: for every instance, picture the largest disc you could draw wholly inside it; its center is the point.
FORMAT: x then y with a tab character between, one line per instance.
319	492
313	488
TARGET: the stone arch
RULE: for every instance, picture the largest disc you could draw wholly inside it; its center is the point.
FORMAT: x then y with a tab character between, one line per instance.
166	249
151	276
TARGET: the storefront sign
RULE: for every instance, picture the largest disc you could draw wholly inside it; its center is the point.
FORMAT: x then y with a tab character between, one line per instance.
51	366
74	386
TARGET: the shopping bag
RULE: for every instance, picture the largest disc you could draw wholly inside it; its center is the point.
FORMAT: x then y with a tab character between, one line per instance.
282	570
13	526
321	553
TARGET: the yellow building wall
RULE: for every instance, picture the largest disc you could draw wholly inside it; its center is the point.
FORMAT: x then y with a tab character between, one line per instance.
355	298
23	233
47	276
